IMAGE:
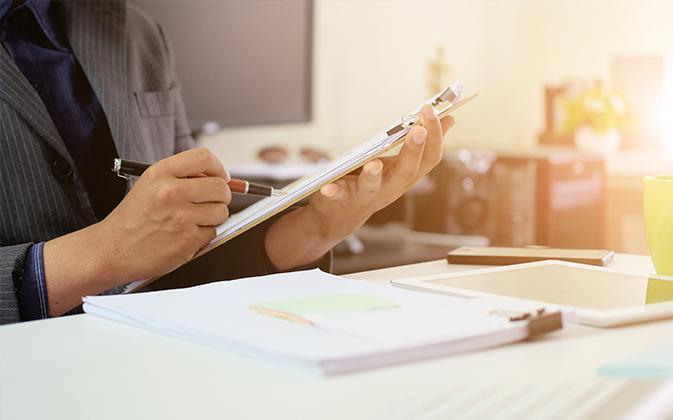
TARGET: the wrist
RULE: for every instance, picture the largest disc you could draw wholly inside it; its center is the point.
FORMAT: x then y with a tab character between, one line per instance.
76	265
304	230
102	260
90	250
333	230
320	229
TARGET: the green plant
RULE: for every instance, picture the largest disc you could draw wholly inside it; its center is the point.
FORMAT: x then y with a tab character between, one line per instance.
599	109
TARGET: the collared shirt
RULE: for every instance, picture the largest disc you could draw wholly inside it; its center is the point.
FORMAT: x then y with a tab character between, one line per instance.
33	33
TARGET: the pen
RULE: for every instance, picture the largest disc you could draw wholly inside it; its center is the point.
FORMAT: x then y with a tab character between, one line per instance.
128	168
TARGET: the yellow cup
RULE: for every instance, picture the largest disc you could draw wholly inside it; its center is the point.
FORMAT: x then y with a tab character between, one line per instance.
658	214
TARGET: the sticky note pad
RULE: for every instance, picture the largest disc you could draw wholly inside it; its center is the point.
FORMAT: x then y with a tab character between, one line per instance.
329	304
653	364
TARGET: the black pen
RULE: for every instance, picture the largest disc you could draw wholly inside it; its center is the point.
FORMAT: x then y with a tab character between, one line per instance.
128	168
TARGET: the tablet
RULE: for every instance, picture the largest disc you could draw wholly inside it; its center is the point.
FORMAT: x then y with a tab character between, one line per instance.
601	298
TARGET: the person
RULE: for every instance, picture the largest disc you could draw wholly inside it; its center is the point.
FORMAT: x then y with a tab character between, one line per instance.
82	82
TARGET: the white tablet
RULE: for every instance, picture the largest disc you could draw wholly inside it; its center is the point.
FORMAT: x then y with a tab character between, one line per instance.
601	298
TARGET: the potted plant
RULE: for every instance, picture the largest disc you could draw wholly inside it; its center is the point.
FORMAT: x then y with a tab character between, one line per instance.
598	118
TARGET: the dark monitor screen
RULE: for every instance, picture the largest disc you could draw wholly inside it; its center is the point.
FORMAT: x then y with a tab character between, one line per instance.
240	62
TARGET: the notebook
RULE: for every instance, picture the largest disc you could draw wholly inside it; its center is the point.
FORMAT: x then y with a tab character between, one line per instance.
445	102
325	323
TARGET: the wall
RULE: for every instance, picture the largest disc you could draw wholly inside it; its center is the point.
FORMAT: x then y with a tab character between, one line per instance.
371	58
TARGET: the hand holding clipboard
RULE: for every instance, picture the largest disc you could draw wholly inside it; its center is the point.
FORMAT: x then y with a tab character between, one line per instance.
443	103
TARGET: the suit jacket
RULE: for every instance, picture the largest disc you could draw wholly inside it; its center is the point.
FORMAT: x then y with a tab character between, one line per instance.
130	66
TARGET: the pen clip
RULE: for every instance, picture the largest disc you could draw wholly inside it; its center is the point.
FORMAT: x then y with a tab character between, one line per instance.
116	168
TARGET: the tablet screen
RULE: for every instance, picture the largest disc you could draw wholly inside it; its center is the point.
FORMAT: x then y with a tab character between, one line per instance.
582	288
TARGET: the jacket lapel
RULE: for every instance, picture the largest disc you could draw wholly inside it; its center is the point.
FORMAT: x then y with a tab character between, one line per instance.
97	33
17	91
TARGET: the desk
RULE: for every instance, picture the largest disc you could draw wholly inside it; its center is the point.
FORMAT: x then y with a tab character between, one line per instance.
83	367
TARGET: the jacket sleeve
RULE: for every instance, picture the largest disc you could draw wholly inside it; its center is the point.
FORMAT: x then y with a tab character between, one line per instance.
12	259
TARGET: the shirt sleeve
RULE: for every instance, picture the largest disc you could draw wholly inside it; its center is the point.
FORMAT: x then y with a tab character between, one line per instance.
31	288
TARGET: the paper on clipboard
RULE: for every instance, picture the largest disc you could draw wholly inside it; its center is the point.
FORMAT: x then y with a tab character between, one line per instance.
445	102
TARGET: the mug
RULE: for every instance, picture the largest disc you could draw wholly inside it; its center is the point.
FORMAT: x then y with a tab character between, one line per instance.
658	215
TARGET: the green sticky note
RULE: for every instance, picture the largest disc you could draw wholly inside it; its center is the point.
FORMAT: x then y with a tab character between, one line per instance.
325	304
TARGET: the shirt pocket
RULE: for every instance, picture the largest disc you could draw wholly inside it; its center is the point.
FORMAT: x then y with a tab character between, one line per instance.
157	123
158	103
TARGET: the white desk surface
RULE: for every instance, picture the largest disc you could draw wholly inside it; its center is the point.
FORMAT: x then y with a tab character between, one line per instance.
81	367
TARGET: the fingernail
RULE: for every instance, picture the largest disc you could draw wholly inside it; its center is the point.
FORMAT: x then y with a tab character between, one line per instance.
328	190
429	111
374	170
418	137
227	176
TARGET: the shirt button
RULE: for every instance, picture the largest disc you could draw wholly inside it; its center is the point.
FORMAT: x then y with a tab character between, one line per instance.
61	169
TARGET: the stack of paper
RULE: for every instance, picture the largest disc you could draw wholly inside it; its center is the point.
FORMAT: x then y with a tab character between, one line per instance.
318	320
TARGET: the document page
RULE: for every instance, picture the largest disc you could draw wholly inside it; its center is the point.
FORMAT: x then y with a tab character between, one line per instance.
316	320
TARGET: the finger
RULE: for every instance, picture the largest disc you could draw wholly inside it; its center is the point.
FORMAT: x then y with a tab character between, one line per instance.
209	214
433	147
192	163
447	122
206	190
389	163
369	181
409	159
334	191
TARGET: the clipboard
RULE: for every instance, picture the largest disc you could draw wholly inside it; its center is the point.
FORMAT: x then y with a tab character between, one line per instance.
330	325
445	102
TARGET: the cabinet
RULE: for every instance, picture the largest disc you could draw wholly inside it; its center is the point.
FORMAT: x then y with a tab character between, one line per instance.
542	197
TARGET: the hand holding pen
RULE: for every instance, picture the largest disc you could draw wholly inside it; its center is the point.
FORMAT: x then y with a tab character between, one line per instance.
169	214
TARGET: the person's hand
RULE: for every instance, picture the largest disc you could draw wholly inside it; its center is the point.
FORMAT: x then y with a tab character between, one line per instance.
340	208
169	214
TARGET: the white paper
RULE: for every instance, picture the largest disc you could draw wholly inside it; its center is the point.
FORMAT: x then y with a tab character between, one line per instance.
274	171
401	325
218	314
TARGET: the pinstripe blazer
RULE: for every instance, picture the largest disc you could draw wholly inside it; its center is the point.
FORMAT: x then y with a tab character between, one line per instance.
131	69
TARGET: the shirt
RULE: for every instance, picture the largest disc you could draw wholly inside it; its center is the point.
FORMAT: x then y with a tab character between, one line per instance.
33	33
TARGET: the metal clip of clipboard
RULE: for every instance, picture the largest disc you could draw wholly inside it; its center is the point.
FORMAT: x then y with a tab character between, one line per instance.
539	321
442	103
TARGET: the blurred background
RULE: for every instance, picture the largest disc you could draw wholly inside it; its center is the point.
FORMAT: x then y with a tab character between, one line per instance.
575	107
